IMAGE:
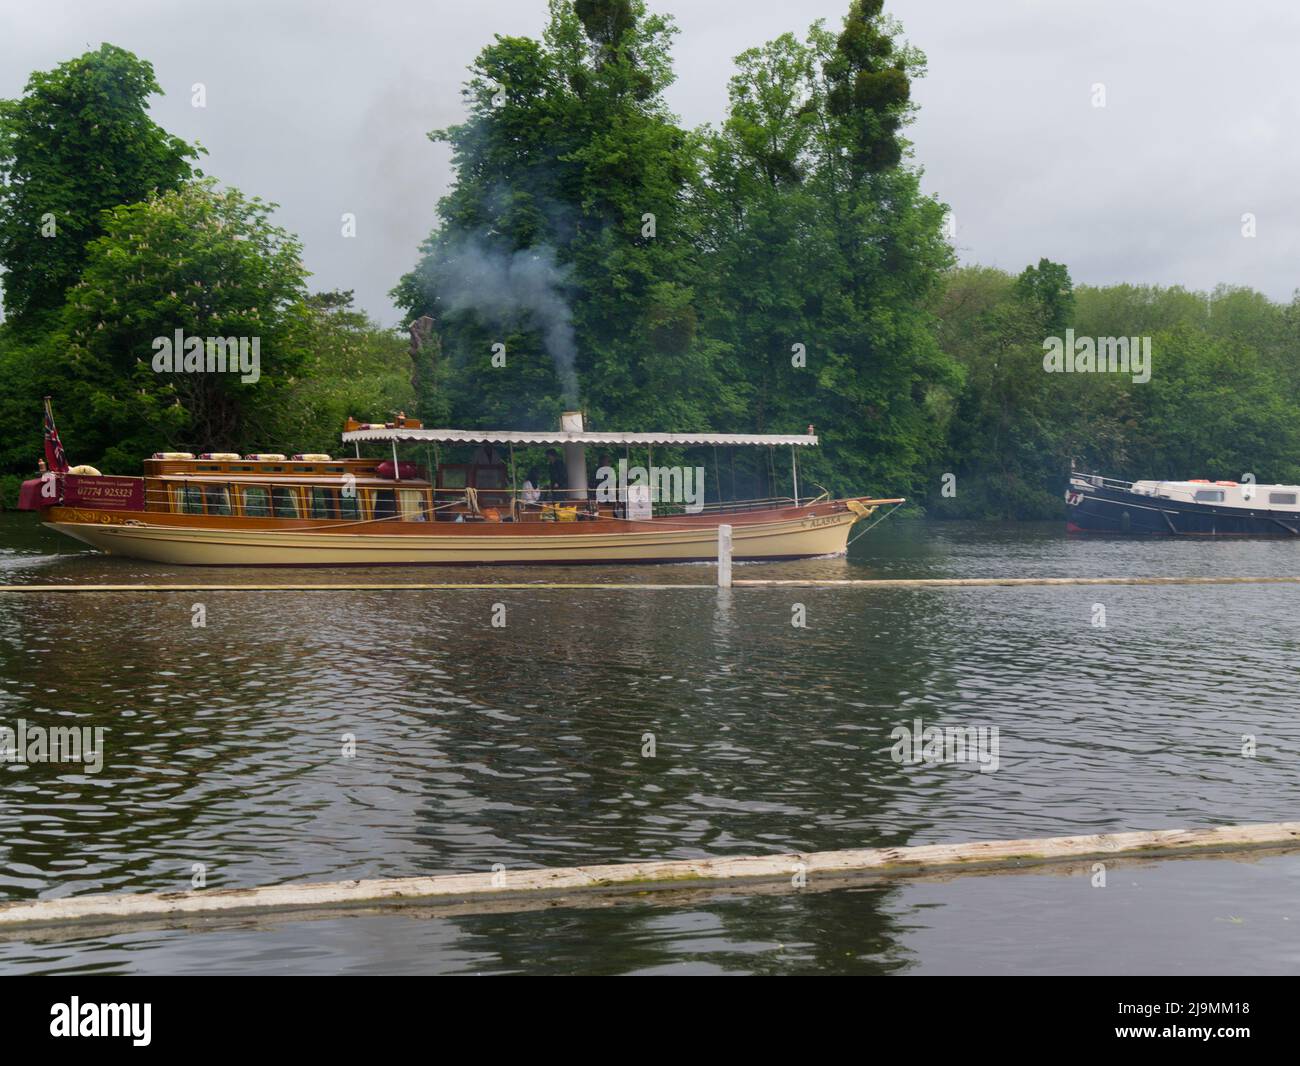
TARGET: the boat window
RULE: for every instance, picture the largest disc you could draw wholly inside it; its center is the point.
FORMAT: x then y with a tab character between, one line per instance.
284	501
322	503
1286	498
191	499
385	503
218	499
1209	495
412	504
257	502
349	505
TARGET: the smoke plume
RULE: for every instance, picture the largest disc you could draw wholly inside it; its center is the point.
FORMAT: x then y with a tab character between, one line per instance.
502	287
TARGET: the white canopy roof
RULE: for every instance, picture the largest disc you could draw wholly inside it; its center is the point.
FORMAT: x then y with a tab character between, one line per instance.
555	436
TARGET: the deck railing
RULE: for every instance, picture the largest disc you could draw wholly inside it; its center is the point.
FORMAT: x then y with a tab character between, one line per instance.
1099	482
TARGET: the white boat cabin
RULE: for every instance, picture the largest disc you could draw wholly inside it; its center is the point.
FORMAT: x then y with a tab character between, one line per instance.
1225	493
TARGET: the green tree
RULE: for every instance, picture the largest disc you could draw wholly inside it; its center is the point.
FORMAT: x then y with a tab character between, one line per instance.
869	83
78	142
763	297
568	236
1048	288
1214	408
201	260
1007	437
21	360
825	241
350	367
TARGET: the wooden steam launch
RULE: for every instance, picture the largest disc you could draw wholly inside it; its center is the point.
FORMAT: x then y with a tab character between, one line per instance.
314	510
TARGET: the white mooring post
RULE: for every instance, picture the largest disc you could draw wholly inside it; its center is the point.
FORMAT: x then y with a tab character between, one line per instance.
724	557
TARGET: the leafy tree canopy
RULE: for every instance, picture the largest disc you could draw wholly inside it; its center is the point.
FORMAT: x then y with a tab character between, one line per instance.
207	262
78	142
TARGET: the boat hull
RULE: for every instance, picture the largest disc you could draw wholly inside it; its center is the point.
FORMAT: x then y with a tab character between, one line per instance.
801	535
1109	510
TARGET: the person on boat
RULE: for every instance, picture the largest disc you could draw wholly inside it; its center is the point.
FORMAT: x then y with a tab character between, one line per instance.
559	475
530	497
532	487
41	468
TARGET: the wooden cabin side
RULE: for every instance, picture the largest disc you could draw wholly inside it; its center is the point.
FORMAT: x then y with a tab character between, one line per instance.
292	490
285	490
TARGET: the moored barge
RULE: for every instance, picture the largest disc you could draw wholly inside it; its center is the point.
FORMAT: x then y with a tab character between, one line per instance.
1193	508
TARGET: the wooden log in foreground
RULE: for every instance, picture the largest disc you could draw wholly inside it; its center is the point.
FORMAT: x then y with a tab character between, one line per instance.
624	586
398	586
525	885
983	582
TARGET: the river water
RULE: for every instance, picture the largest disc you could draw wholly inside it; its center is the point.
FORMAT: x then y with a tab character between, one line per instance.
525	745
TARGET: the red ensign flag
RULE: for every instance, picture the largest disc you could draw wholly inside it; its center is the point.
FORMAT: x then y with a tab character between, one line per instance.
54	457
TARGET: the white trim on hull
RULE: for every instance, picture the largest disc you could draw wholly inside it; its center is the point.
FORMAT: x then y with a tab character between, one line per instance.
800	537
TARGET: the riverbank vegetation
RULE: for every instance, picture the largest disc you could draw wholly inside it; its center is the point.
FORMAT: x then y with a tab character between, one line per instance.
778	269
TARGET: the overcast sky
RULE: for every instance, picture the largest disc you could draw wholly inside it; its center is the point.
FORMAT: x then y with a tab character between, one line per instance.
322	106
